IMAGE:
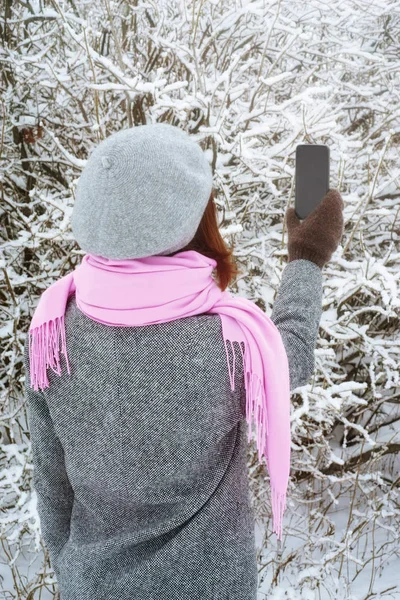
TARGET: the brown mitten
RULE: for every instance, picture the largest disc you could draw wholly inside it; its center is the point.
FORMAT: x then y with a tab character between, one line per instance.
317	236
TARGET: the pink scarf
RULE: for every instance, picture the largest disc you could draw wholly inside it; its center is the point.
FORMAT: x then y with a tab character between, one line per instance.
155	289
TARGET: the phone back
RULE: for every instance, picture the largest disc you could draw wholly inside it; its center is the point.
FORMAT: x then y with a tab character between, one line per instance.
311	177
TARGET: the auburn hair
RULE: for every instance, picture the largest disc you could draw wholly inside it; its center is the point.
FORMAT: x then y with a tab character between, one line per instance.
208	241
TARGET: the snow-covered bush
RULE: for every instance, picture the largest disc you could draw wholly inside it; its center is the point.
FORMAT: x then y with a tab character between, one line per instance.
250	80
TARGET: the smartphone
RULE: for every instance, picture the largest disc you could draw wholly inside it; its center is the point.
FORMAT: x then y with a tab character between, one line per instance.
311	177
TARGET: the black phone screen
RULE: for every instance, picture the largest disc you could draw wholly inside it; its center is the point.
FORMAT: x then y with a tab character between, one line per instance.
311	177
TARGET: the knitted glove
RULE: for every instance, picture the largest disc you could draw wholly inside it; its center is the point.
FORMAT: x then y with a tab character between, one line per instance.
317	236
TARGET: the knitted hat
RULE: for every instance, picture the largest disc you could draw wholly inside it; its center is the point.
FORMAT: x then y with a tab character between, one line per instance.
142	192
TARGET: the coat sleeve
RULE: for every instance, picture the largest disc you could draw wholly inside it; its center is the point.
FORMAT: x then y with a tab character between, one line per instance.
50	481
297	313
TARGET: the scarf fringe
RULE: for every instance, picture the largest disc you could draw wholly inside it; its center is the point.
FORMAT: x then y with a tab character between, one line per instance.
278	502
256	405
44	351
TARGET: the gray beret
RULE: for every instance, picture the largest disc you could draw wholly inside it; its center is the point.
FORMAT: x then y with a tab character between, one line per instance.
142	192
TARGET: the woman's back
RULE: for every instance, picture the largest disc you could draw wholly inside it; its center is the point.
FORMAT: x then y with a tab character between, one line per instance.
154	443
140	454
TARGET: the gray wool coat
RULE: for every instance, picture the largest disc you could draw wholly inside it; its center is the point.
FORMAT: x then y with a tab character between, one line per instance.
140	454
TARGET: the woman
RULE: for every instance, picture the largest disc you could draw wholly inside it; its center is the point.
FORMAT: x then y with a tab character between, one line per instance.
140	450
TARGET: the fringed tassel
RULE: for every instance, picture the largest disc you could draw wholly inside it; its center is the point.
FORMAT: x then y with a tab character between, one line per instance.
231	375
278	508
247	384
256	403
44	351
